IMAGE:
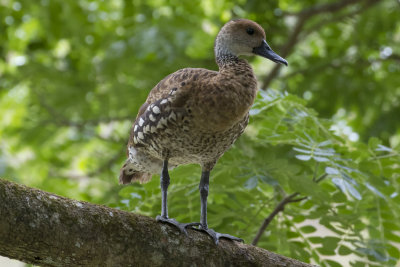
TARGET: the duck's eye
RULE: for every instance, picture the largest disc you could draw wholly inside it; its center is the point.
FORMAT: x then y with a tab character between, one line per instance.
250	31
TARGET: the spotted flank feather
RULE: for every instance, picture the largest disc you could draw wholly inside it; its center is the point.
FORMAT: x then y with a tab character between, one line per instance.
157	116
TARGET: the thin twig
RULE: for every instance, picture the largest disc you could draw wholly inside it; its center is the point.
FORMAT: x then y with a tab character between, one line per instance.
340	63
281	206
322	177
285	51
298	199
350	14
302	17
326	8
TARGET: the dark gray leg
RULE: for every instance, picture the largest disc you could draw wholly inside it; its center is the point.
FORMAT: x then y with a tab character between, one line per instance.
164	182
203	187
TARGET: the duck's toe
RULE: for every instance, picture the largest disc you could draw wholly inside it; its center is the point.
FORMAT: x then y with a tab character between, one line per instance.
181	226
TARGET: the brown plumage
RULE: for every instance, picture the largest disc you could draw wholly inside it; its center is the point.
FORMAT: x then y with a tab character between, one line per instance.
194	115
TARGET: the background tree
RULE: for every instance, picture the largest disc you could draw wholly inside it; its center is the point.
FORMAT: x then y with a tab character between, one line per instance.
323	142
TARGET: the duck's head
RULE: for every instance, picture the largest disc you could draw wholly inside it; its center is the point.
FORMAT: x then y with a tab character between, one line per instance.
244	37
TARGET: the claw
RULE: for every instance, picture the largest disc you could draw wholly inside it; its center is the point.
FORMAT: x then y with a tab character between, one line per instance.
216	236
181	226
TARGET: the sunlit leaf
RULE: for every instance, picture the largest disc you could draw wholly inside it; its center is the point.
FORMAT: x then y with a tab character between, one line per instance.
321	159
353	191
303	157
374	190
251	183
268	180
302	150
325	143
384	148
330	170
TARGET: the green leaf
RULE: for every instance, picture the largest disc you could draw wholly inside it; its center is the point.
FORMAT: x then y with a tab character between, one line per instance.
308	229
268	180
331	171
251	183
344	250
332	263
303	157
316	240
345	186
329	245
373	143
374	190
321	159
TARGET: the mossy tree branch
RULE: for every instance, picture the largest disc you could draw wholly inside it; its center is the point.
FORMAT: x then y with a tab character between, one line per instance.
48	230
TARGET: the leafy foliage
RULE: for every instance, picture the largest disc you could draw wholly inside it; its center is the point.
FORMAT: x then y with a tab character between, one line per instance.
74	73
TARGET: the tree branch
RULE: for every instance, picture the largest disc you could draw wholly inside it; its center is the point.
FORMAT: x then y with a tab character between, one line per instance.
48	230
324	8
352	13
302	17
281	207
285	51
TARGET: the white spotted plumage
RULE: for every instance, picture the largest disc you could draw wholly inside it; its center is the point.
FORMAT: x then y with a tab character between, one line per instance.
156	110
141	121
140	135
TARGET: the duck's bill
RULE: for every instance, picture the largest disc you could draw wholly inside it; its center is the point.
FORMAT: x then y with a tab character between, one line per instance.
265	51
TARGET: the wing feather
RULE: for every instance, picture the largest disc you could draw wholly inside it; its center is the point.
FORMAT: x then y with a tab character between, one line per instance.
165	104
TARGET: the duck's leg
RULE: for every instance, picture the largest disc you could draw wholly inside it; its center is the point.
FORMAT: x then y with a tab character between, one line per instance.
203	187
164	181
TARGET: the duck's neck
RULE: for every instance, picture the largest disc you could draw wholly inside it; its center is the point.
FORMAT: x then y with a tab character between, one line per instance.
225	59
236	67
237	77
232	67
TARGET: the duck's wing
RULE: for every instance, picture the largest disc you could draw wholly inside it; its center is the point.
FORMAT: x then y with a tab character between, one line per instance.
165	103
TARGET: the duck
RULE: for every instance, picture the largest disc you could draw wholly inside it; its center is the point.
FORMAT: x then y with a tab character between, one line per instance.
194	115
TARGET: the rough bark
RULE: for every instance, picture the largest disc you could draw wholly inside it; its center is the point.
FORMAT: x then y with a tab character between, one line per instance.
48	230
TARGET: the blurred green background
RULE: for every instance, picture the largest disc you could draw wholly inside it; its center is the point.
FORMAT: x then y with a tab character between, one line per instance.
73	75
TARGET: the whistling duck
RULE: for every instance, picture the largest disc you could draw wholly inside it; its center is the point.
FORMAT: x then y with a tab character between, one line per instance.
194	115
